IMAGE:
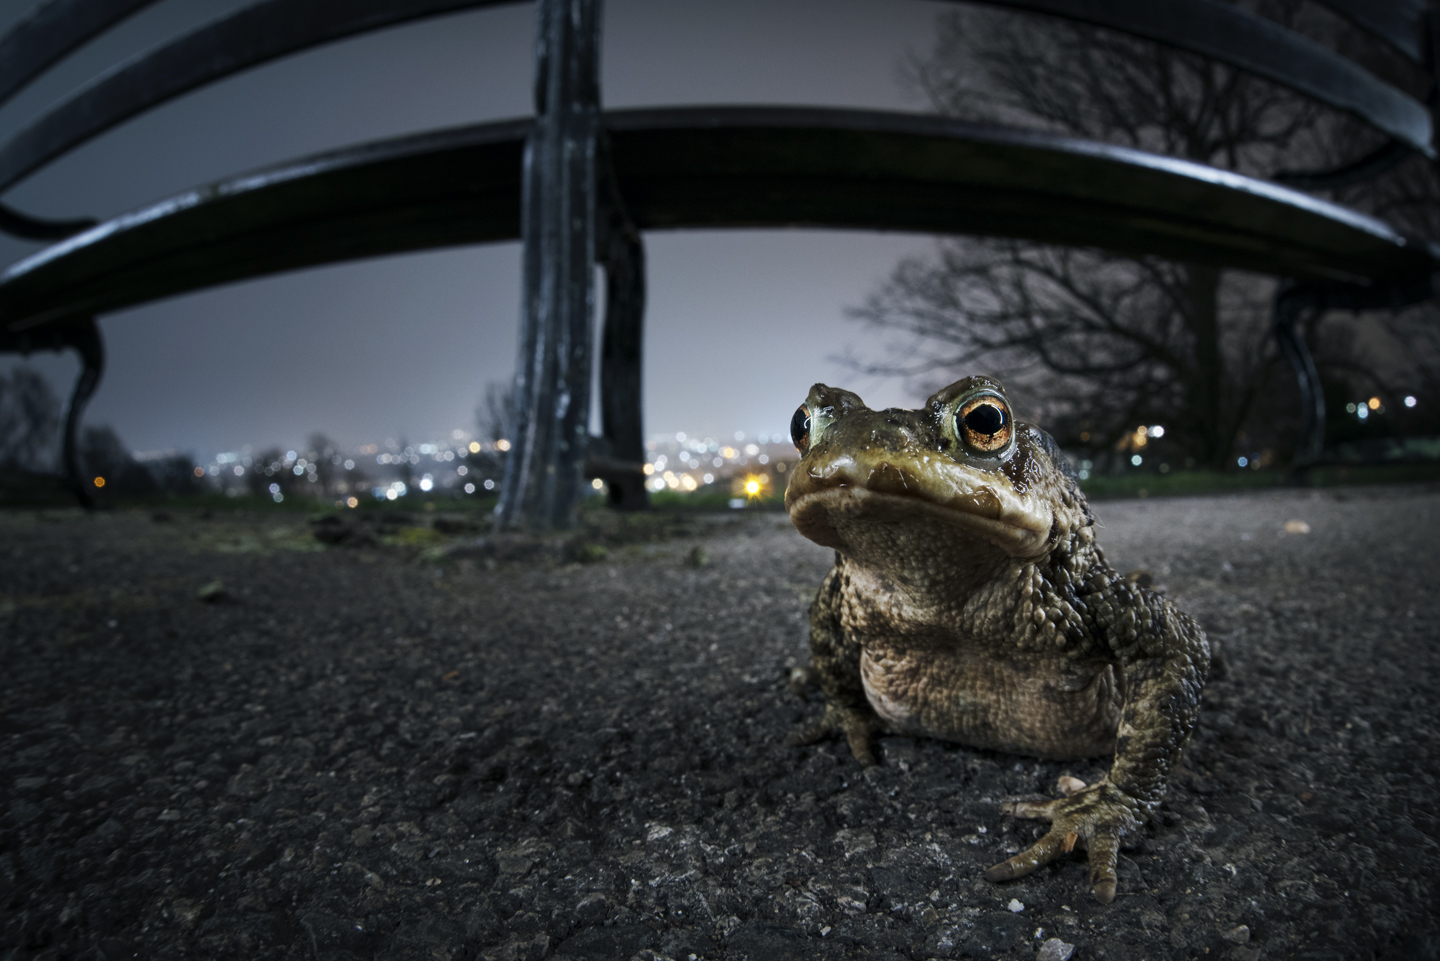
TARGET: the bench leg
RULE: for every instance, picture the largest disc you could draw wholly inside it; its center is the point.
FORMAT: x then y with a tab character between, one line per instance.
544	470
622	251
1290	301
84	338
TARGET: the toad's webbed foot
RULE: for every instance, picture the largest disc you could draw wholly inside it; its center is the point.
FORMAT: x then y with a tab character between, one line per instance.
859	727
1101	816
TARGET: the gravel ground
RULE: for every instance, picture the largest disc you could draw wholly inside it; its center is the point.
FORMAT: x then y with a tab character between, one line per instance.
365	752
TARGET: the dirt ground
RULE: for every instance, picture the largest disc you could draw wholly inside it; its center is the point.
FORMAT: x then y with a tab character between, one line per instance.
220	738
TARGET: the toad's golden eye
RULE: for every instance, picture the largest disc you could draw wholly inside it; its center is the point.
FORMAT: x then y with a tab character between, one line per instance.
800	429
984	423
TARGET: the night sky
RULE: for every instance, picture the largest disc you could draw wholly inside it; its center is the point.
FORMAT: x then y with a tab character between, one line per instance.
738	325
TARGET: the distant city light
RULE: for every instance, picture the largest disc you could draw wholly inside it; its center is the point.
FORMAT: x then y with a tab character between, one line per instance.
289	455
739	435
1157	431
1136	459
349	464
352	501
238	470
469	488
597	483
277	497
274	488
1361	411
502	444
709	478
99	482
1373	403
489	484
199	472
1242	461
1409	401
474	447
462	470
426	483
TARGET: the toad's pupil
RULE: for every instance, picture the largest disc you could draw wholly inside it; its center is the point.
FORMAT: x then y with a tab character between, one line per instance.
985	419
800	426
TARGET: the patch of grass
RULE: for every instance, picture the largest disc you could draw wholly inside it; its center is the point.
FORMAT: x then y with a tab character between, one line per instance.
713	498
1179	483
417	537
1335	476
1188	483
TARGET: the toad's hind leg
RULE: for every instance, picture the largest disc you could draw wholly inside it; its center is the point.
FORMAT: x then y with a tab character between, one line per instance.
835	665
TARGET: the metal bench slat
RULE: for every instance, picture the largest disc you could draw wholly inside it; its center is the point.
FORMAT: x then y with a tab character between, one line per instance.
1400	23
52	30
1222	32
252	36
279	27
710	167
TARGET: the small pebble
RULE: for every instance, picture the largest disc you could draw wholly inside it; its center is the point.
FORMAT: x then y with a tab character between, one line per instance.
1068	785
1239	934
213	593
1055	950
1016	905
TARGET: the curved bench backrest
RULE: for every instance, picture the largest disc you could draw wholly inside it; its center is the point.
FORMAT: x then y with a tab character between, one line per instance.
276	28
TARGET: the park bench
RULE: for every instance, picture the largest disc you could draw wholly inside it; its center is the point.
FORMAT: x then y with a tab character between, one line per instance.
579	186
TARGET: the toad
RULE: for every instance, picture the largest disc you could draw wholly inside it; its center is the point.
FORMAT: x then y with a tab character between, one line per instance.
969	601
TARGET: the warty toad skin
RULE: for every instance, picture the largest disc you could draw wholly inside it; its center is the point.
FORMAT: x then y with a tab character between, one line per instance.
970	602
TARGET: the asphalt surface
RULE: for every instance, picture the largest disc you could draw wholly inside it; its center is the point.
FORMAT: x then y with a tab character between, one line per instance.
221	738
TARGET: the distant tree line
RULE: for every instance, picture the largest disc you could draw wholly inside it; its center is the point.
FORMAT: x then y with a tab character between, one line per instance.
30	423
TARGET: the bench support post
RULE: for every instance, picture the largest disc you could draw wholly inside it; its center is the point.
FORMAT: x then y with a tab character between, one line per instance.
619	458
544	478
1290	301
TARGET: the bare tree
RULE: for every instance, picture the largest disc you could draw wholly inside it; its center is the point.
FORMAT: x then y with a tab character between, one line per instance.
324	453
1098	342
29	421
107	461
495	414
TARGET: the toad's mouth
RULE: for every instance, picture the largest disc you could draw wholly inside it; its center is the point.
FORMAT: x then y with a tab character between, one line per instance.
826	499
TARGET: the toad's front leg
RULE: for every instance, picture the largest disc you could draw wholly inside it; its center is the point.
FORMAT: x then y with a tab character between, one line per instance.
1164	657
835	664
